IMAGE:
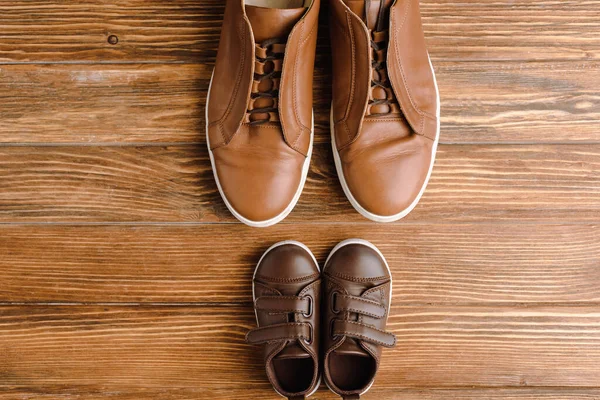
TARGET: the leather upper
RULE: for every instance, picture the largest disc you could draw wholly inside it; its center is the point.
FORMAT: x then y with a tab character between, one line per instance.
235	66
287	293
355	306
409	69
259	165
385	157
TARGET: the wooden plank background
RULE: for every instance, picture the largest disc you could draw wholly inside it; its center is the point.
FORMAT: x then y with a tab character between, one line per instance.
123	276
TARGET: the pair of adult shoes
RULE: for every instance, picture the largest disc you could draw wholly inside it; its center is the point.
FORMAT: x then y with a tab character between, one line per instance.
334	320
384	113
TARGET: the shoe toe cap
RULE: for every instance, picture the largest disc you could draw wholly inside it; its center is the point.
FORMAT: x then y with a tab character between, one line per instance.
288	261
258	189
386	179
358	261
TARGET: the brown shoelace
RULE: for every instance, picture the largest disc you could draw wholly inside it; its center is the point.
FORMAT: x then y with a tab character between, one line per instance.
263	105
381	98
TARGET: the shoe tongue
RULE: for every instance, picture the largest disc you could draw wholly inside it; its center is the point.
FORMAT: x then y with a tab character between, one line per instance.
292	351
270	23
358	8
350	347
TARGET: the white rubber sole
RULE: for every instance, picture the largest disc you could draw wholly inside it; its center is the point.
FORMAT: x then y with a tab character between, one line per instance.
285	242
289	208
354	202
372	246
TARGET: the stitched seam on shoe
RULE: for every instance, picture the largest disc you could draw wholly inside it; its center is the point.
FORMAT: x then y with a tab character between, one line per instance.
304	278
262	328
361	312
262	126
353	73
268	361
342	28
383	119
373	302
266	287
221	130
310	286
422	113
327	353
373	351
282	297
238	79
366	338
379	287
273	311
289	337
355	279
294	94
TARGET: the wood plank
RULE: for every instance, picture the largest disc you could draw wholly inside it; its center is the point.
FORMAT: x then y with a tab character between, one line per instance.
511	30
147	30
175	347
175	184
431	264
483	102
519	102
87	104
188	393
188	31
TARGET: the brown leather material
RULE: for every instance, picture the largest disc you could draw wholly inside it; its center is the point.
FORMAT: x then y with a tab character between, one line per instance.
409	69
386	167
280	332
231	81
385	105
351	59
296	93
347	303
258	173
259	109
356	304
288	274
284	304
268	23
364	332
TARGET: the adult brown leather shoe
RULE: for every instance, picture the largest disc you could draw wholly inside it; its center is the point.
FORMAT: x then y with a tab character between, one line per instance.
286	292
259	108
385	113
357	292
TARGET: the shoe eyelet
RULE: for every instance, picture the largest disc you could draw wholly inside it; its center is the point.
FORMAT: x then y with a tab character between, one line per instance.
310	307
310	340
333	336
332	302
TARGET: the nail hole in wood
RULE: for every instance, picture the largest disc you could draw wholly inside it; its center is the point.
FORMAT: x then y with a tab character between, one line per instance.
113	39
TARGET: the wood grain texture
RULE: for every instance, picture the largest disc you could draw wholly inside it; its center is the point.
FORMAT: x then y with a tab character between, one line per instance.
188	393
175	184
431	264
87	104
123	276
188	30
481	103
173	347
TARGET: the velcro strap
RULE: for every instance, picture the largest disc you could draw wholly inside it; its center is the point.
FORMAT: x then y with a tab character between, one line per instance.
359	305
364	332
280	332
283	304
